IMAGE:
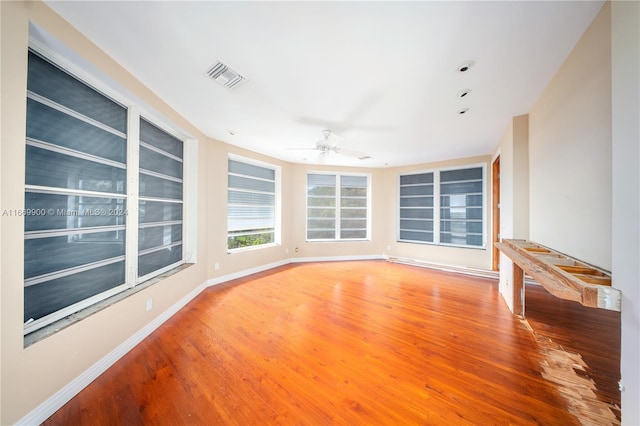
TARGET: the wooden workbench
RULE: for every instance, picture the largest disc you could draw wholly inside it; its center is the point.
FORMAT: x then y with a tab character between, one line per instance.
562	276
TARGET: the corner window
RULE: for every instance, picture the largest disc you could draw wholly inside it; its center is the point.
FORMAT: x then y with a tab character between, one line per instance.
442	207
338	206
103	202
252	204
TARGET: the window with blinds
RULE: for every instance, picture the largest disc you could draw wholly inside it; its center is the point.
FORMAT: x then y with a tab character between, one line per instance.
77	200
251	204
416	207
461	211
442	207
160	199
337	207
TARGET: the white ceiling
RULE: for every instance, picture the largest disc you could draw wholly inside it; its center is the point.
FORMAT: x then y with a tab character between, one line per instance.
381	75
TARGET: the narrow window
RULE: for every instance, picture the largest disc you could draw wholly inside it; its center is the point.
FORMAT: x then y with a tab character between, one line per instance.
416	207
160	201
251	204
461	211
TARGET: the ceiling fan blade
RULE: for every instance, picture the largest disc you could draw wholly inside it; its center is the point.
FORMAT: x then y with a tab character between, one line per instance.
302	149
352	153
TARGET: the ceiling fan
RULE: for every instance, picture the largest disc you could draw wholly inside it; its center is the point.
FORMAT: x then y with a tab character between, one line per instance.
329	144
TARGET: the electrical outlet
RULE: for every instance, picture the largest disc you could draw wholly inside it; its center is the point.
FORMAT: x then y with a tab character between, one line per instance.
216	266
149	305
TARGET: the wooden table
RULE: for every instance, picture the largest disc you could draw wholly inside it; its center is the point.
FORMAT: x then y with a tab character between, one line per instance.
562	276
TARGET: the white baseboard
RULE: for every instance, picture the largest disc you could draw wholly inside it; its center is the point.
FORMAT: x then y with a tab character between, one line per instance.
335	258
234	276
43	411
476	272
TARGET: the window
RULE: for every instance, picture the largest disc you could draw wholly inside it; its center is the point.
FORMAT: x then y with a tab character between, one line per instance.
81	244
442	207
251	204
416	207
461	200
337	207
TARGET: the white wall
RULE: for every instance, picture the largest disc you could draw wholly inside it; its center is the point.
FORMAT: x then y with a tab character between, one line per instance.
514	195
625	61
570	152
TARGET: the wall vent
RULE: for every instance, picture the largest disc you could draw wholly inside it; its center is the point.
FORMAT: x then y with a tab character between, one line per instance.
225	75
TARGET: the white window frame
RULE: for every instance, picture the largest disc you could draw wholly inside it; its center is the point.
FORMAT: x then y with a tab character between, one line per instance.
41	43
437	205
277	236
338	196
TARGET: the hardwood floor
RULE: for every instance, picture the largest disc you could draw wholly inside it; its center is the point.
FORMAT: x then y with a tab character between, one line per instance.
368	342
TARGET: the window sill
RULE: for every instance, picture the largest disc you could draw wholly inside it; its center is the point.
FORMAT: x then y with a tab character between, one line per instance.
250	248
65	322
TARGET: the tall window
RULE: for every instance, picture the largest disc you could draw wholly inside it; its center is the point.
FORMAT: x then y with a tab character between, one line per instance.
461	213
416	207
442	207
251	204
337	206
78	200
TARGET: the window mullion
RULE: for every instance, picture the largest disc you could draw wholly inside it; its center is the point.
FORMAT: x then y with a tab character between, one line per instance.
133	161
338	232
436	207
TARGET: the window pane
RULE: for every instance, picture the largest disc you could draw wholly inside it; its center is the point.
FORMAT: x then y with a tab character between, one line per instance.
55	127
158	236
461	212
51	296
353	233
247	183
151	262
248	240
241	168
151	186
46	255
47	168
158	211
416	225
51	82
416	202
321	234
416	207
54	211
160	139
251	205
422	178
156	162
426	237
416	213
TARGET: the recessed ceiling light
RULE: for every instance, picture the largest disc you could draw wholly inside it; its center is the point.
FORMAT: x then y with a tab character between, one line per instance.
464	67
463	111
463	93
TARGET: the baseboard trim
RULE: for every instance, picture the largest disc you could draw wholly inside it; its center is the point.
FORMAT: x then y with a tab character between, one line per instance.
64	395
234	276
476	272
336	258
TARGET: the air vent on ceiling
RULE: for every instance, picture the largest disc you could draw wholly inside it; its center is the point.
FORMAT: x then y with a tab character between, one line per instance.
225	75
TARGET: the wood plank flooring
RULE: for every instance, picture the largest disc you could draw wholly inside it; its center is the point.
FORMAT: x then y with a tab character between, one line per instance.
368	342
